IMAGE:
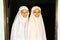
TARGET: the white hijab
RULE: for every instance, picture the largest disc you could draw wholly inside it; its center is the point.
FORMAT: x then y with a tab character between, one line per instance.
36	30
19	24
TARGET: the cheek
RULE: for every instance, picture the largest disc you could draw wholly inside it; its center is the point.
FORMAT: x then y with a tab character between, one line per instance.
38	13
23	14
34	13
27	14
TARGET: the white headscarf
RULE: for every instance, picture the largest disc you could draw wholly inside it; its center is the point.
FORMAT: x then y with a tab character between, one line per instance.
19	14
19	24
36	30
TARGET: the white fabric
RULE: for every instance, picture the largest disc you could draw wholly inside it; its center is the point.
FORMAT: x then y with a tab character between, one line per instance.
18	31
36	30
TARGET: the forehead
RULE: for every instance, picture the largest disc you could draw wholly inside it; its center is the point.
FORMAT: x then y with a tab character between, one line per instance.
24	10
36	9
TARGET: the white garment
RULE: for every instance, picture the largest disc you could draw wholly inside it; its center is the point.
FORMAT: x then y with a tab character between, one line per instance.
18	31
36	30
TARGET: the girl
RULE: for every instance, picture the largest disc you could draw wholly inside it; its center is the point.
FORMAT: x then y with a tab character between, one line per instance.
19	26
36	30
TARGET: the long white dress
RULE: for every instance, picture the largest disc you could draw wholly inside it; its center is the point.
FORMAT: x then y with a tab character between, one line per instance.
36	30
18	31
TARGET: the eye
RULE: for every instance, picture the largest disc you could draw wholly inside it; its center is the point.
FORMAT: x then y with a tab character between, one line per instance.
21	11
38	11
26	11
34	12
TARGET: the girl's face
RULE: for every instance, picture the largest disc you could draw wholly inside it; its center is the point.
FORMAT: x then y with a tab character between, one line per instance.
36	12
24	13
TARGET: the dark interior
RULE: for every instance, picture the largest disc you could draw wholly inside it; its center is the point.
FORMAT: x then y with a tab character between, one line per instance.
48	13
